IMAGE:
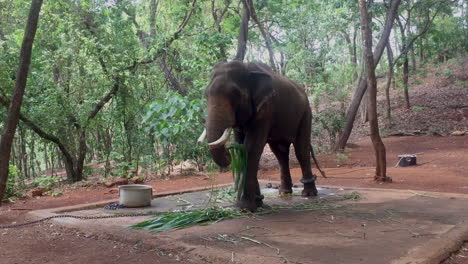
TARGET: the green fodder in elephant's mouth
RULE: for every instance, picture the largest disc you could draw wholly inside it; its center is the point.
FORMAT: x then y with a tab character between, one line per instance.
238	167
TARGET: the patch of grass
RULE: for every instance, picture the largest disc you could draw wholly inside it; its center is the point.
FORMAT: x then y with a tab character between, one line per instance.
355	196
419	108
447	72
342	156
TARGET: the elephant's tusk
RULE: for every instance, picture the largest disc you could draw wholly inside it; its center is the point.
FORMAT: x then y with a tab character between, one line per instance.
202	137
222	140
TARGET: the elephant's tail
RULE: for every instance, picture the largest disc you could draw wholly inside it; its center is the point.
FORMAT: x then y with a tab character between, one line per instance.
316	163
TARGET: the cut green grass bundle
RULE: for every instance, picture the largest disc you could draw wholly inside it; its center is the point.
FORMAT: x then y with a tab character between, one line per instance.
178	220
239	167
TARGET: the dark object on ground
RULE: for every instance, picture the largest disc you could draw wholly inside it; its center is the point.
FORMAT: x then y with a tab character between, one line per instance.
269	185
113	206
406	160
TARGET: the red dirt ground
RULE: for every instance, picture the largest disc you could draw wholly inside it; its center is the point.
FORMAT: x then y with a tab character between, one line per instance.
443	167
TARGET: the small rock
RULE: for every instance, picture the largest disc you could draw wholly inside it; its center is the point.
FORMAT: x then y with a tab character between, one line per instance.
269	185
457	133
108	184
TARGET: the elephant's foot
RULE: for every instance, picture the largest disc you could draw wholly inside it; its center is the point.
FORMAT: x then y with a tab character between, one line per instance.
285	187
285	190
259	201
309	190
249	205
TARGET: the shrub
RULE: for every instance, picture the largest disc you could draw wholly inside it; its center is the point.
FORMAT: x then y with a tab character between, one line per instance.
175	123
46	181
13	188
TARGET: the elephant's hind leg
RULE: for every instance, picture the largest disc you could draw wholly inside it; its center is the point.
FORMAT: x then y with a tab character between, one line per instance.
302	148
281	152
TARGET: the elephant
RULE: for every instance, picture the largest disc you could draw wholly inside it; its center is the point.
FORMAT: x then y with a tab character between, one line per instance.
261	106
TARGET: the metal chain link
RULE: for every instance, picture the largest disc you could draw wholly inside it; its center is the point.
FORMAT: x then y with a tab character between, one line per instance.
75	217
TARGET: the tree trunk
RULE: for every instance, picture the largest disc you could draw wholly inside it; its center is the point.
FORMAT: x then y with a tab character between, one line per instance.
265	35
24	155
243	32
217	19
404	55
379	147
18	92
389	83
171	78
362	84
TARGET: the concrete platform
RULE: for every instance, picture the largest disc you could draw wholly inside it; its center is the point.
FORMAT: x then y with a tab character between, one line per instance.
384	226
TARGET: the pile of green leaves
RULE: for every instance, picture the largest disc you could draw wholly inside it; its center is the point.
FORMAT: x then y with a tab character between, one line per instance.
238	167
178	220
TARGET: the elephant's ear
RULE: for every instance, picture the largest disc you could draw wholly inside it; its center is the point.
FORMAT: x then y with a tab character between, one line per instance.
261	88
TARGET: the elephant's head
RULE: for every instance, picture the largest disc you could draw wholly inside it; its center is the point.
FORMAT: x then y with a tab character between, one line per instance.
235	95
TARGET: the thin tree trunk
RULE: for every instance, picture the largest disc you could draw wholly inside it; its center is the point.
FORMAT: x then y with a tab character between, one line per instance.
379	147
243	32
18	92
24	155
404	55
265	35
362	84
170	77
389	82
217	19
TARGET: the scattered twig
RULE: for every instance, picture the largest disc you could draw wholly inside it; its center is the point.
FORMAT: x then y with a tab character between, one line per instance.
425	195
261	243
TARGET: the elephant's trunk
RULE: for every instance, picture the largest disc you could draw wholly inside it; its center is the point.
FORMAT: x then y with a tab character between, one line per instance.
218	128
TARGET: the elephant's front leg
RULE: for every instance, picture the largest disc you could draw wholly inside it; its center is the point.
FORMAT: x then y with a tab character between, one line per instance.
254	143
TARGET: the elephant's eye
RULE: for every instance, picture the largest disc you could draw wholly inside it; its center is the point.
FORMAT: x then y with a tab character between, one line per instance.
236	95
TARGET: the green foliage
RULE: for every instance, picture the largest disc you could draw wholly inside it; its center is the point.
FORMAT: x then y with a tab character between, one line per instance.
447	72
124	169
175	123
331	121
342	156
46	181
13	187
56	193
84	49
